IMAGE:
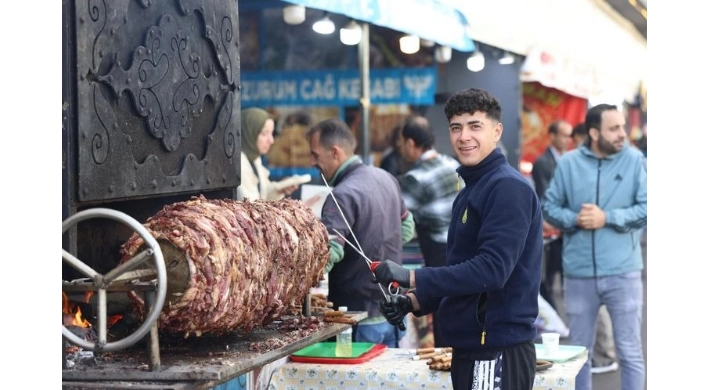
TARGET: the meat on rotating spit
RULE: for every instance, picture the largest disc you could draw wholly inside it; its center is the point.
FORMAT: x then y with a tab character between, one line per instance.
248	261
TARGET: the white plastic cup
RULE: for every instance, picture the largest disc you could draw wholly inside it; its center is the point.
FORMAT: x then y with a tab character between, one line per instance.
551	343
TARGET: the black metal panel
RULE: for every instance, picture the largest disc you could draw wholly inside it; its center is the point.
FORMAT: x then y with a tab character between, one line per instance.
157	97
68	125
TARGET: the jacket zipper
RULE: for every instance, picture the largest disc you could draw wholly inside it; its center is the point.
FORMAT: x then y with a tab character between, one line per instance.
596	201
482	313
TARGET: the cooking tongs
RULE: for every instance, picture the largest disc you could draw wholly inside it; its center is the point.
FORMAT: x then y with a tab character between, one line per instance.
393	288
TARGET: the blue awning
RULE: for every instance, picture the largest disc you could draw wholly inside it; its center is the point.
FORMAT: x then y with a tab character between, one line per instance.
427	19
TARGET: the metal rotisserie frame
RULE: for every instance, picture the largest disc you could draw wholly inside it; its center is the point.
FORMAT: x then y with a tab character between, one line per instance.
151	114
197	363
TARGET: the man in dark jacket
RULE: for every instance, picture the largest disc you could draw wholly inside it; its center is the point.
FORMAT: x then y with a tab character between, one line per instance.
486	295
560	136
370	203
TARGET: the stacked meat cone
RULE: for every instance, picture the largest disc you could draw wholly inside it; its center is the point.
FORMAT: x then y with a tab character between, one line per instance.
245	263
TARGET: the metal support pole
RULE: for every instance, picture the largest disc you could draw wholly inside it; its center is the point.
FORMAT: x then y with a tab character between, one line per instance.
153	347
64	351
306	311
101	319
364	60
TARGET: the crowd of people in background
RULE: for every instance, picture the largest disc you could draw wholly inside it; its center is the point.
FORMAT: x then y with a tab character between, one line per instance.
563	137
601	219
483	230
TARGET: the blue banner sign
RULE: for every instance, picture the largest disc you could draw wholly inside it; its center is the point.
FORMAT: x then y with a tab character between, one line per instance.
415	86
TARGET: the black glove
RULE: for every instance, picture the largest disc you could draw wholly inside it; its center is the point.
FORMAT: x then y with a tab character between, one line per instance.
389	271
395	310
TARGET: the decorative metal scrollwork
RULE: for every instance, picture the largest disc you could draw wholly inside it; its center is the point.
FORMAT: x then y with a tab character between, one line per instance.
156	85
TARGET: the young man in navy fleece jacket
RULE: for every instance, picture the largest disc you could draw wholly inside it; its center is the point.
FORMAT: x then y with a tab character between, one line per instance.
486	295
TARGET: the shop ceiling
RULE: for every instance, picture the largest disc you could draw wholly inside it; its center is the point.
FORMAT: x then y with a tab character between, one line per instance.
575	36
632	10
422	18
569	30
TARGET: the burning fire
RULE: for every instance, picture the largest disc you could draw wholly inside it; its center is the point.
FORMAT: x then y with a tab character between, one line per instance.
72	313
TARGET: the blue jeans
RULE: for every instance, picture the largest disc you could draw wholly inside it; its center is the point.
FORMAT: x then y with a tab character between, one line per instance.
382	333
623	297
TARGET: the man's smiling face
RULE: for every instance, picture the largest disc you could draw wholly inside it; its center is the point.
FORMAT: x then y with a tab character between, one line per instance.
473	136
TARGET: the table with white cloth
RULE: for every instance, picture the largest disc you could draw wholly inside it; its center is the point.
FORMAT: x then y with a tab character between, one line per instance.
395	369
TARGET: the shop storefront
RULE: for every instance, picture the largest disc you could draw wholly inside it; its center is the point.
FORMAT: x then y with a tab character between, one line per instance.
291	70
577	53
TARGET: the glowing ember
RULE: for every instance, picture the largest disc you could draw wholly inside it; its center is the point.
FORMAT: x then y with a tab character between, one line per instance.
114	319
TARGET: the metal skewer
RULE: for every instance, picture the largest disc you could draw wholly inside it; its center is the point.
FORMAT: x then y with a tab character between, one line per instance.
330	191
358	249
366	259
388	297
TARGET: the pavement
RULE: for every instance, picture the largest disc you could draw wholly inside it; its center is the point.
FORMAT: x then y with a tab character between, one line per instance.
610	380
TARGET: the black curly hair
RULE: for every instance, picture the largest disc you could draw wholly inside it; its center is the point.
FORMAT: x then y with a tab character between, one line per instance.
472	100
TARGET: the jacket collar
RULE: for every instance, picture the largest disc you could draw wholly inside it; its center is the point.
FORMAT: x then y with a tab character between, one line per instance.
554	153
585	150
344	168
471	174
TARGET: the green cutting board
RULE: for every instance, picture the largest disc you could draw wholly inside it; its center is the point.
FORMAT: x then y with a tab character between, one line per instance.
327	350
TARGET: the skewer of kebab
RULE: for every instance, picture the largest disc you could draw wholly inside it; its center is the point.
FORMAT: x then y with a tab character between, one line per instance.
437	358
338	316
428	353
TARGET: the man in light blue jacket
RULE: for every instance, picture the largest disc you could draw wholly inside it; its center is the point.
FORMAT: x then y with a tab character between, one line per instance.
597	198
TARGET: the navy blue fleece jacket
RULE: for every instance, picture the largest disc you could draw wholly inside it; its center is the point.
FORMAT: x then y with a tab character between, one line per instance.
487	293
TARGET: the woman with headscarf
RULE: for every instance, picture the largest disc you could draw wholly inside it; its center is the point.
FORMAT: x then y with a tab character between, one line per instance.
257	138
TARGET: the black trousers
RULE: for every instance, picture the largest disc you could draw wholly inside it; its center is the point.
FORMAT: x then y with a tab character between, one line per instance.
434	254
553	266
510	369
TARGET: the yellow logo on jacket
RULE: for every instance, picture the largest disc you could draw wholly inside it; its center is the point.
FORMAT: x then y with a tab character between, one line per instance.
465	216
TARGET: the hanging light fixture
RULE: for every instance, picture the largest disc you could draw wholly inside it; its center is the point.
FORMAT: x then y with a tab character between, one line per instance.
351	34
324	25
294	14
507	59
442	54
476	62
409	44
